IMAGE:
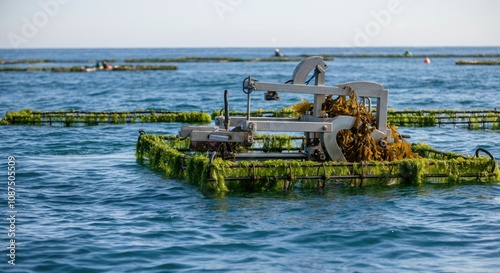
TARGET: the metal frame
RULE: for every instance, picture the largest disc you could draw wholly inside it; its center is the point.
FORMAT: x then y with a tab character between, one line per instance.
363	90
320	130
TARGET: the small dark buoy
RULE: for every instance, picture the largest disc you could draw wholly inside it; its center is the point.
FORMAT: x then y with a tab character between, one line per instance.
277	53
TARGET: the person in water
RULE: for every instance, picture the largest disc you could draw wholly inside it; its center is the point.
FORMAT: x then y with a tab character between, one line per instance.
277	53
106	65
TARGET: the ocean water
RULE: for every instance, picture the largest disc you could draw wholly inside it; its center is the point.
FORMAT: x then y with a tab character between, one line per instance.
84	204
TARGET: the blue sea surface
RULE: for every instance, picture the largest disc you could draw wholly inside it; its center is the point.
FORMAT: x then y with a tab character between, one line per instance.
84	204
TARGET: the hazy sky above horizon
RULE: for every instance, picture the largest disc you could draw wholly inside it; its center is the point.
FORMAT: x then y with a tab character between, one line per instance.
248	23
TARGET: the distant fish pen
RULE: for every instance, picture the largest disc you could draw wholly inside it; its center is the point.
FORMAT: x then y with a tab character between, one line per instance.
170	156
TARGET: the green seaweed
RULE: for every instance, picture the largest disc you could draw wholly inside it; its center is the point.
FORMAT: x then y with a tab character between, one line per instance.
25	116
71	118
285	112
222	176
274	143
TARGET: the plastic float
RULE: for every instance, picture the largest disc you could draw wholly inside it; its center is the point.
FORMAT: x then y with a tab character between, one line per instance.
427	60
342	138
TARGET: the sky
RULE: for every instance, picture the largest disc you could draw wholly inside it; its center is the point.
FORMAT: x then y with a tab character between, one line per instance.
247	23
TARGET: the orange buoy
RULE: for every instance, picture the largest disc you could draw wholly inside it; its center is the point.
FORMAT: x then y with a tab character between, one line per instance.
427	60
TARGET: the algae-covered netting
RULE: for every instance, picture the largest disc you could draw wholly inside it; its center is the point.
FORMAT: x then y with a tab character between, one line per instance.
357	144
221	175
71	117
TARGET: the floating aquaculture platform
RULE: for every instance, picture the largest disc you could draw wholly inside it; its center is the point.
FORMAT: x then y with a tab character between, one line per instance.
71	118
479	55
172	157
471	119
216	59
478	62
190	59
338	139
89	69
185	59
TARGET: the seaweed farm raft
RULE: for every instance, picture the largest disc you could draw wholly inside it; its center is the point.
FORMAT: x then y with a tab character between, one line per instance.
336	139
74	118
173	157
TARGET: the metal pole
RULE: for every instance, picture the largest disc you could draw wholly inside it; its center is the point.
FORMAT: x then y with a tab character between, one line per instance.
248	97
226	110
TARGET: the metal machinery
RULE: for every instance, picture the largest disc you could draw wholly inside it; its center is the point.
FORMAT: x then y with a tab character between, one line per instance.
319	129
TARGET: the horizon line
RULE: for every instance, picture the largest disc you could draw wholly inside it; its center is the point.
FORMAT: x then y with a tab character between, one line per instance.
172	47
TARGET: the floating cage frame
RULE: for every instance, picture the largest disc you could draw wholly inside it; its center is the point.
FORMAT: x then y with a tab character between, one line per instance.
72	117
471	119
172	157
